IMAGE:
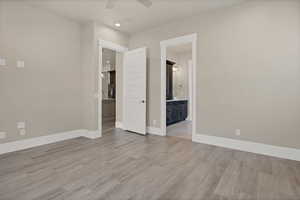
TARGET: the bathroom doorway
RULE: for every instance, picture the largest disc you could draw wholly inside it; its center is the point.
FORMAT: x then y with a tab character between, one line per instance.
179	91
178	96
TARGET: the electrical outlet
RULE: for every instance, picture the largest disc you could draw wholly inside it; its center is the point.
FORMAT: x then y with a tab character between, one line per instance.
2	135
20	64
2	62
237	132
22	132
21	125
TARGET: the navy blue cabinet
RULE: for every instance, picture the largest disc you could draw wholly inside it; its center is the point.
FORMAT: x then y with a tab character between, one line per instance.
176	111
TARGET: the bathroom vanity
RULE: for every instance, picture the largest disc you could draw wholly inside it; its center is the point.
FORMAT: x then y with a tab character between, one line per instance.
177	111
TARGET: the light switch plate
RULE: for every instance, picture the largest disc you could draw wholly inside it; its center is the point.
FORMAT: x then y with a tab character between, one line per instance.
22	132
2	135
21	125
2	62
20	64
96	96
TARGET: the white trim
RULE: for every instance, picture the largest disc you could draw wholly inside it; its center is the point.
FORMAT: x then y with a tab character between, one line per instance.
48	139
92	134
179	40
154	131
190	82
163	107
259	148
150	130
192	38
38	141
99	92
119	125
112	46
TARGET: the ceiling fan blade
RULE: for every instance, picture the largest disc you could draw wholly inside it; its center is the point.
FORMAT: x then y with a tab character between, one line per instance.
146	3
110	4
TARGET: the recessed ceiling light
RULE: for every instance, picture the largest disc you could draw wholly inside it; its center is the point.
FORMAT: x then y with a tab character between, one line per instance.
117	24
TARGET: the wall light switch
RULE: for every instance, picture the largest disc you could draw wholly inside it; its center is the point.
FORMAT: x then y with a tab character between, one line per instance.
237	132
22	132
96	96
20	64
21	125
2	135
2	62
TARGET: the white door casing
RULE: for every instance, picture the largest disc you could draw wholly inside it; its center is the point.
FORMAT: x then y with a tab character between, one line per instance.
191	38
112	46
134	91
190	87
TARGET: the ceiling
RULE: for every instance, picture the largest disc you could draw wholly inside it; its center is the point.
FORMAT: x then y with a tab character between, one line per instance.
134	17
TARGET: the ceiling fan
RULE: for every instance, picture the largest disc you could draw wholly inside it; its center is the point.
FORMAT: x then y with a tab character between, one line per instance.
110	4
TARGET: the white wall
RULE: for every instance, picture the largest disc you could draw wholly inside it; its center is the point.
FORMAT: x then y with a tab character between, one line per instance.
248	73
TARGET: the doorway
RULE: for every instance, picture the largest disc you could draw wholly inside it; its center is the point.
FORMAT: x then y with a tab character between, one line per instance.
110	85
109	89
178	90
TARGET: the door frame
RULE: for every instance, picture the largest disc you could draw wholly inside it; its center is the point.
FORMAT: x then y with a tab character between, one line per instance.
191	38
112	46
190	82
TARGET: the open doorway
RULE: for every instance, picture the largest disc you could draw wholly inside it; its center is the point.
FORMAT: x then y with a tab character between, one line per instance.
110	94
109	89
178	93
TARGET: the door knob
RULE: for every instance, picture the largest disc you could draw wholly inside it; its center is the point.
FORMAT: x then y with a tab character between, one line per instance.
143	101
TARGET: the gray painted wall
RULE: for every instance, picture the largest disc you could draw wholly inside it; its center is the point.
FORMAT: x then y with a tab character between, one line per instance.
93	32
46	93
248	72
55	91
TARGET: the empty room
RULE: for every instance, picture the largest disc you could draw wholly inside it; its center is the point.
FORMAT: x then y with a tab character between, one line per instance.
150	99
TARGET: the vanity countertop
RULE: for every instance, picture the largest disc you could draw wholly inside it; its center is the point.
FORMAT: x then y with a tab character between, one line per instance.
108	99
172	100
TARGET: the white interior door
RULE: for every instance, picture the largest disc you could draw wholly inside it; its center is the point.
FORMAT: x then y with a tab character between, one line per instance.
134	92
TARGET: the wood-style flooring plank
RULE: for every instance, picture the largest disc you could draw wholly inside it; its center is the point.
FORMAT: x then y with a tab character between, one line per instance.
127	166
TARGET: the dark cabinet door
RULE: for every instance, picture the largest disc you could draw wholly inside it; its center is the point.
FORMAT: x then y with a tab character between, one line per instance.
176	111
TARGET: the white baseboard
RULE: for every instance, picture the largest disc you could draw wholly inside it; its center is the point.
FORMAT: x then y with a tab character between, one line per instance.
38	141
150	130
154	131
259	148
48	139
119	125
92	134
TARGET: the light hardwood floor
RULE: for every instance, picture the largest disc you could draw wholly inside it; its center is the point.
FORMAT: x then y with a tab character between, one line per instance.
108	124
182	130
125	166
